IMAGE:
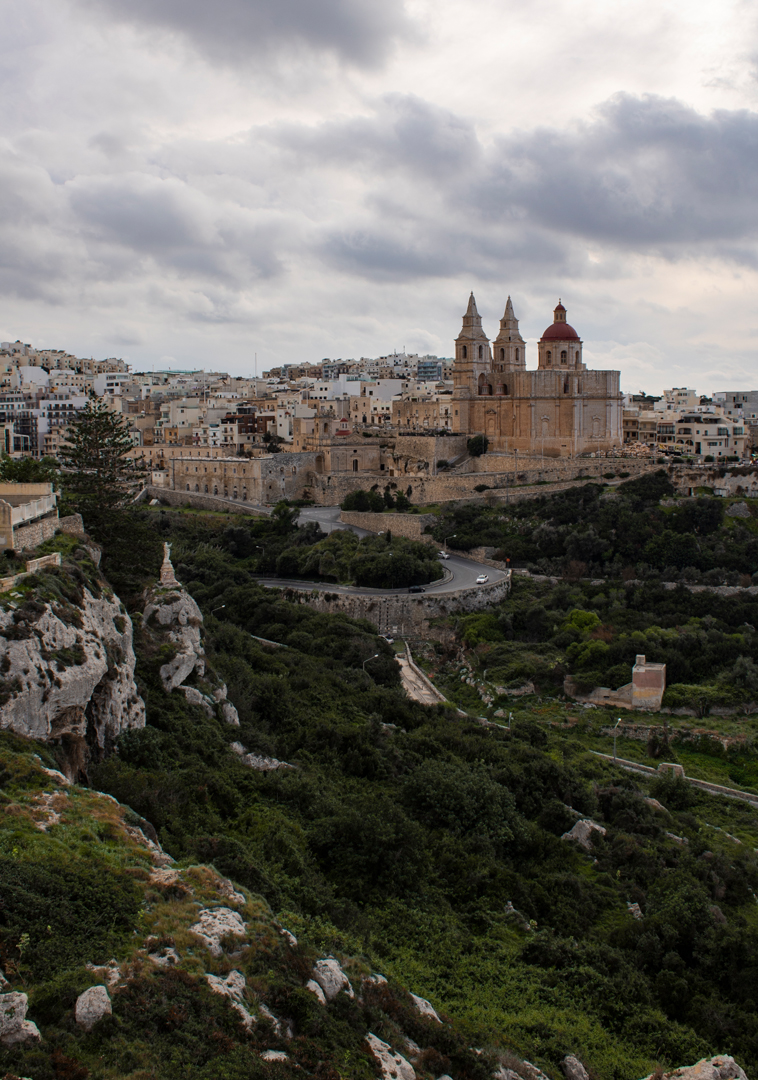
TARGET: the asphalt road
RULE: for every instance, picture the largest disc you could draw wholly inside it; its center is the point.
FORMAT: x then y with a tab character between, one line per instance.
462	572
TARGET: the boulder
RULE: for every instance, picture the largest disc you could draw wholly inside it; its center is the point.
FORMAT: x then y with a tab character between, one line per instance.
573	1068
583	833
92	1006
14	1027
393	1065
331	978
284	1028
110	973
230	714
288	937
531	1072
232	987
721	1067
425	1008
274	1055
165	957
214	924
314	988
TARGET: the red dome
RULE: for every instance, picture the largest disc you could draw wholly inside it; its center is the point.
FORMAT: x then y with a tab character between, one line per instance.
560	331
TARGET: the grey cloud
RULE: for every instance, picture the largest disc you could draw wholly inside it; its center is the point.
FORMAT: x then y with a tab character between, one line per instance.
245	31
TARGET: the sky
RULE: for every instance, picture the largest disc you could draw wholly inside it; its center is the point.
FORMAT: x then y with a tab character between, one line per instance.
240	184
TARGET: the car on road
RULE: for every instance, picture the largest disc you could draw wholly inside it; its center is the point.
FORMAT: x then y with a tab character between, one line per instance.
415	588
482	579
388	639
443	554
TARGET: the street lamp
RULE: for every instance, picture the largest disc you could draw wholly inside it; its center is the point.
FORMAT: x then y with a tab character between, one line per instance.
367	660
614	737
451	537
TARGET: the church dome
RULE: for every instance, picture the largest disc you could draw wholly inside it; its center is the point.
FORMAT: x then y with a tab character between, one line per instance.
560	331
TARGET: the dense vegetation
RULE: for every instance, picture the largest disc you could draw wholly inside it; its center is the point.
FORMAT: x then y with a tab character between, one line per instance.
590	532
373	502
409	834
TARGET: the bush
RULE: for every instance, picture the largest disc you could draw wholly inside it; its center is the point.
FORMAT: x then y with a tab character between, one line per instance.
477	445
364	502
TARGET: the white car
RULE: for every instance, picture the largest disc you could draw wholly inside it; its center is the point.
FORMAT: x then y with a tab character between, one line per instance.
443	554
482	579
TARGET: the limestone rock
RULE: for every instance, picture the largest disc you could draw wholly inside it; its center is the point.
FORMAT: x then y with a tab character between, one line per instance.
230	714
634	910
288	937
531	1072
573	1068
166	957
3	981
314	988
425	1008
283	1028
227	890
274	1055
721	1067
14	1027
56	695
214	924
194	697
110	973
92	1006
178	619
738	510
232	987
582	833
393	1065
331	978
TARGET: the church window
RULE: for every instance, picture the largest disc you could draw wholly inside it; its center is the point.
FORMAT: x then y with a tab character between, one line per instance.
355	464
564	356
548	356
464	352
516	355
480	352
502	354
565	386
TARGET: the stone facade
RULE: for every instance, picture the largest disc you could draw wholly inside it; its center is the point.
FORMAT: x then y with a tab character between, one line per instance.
256	480
559	410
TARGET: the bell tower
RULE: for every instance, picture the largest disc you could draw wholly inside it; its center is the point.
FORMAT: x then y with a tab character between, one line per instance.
509	348
472	353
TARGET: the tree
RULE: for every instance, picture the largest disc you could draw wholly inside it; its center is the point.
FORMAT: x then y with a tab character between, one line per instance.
99	475
29	470
477	445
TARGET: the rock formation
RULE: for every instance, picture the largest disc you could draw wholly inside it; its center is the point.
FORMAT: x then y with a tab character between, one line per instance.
68	667
92	1006
14	1027
583	833
176	621
393	1065
722	1067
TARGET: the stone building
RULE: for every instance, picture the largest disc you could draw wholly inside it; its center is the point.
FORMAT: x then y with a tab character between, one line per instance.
336	448
559	410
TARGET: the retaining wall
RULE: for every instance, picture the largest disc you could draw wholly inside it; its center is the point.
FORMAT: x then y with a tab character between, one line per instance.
406	614
31	536
200	502
411	526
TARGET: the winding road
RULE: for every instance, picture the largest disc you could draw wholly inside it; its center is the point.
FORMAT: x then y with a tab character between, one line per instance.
461	573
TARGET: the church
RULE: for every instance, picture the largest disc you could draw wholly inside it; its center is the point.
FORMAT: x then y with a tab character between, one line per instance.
559	410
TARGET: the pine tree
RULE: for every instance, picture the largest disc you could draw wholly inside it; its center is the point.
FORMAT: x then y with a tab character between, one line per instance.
98	475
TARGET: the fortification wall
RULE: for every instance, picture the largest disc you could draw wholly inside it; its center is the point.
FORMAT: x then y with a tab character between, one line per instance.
408	614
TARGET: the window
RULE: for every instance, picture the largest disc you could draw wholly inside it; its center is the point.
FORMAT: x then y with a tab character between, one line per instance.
516	355
502	354
464	352
548	356
355	464
564	356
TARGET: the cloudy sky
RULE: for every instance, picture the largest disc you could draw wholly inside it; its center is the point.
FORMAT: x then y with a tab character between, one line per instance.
189	183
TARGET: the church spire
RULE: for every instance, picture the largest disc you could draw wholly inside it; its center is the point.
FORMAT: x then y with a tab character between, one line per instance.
509	348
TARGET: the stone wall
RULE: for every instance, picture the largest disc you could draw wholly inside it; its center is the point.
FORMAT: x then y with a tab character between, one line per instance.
740	482
502	486
411	526
31	536
408	614
201	502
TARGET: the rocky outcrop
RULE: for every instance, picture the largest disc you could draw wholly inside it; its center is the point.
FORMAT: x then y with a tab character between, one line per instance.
215	924
331	978
176	622
68	672
393	1065
14	1027
258	761
92	1006
584	832
233	987
425	1008
573	1068
721	1067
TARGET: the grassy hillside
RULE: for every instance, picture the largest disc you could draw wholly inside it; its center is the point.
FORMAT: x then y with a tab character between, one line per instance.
418	843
